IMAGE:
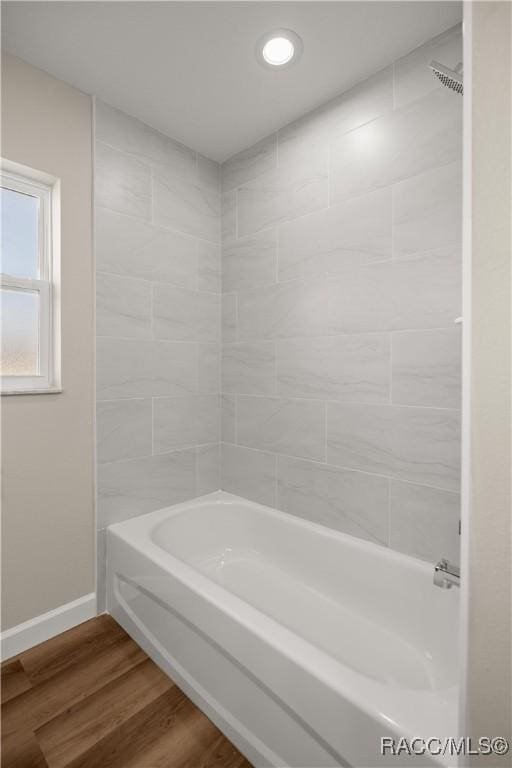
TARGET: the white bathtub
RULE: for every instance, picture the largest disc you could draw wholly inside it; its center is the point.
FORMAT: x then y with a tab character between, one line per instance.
302	644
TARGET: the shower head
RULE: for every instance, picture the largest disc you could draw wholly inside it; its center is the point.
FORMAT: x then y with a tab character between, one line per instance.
452	78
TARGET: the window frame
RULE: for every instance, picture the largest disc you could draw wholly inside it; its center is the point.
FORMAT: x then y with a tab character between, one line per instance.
47	189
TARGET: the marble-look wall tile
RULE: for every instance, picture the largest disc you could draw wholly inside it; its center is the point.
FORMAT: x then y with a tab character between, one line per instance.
280	195
101	571
208	266
249	473
123	307
249	262
294	427
130	488
419	291
126	246
420	445
208	173
353	367
208	368
427	211
183	315
359	105
422	135
424	522
130	135
356	231
228	223
414	78
250	163
229	317
249	368
207	469
426	367
182	422
228	418
282	310
123	429
364	269
185	206
351	502
127	368
122	183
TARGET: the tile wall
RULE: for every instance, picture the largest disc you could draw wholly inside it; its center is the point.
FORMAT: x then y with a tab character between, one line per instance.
341	282
158	304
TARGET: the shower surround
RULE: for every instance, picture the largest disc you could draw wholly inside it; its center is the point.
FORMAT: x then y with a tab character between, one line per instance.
341	279
157	243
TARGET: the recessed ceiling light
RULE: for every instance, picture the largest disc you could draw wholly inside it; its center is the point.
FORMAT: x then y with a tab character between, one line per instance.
279	49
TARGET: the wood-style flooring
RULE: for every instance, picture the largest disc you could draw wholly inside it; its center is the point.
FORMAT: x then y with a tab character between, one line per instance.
91	698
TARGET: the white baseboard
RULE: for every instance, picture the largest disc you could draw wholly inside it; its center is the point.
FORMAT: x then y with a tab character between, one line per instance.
41	628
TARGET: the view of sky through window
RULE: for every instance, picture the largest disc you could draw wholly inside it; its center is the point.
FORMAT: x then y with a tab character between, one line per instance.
19	258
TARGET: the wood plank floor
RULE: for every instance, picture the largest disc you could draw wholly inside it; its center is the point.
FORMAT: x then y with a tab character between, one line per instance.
91	698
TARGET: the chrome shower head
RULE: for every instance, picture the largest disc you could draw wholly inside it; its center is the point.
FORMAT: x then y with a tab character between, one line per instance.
452	78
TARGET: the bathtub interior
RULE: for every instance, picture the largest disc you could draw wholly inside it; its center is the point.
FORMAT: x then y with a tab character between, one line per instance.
373	610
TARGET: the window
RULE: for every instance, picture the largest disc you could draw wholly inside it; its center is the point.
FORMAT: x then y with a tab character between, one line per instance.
29	311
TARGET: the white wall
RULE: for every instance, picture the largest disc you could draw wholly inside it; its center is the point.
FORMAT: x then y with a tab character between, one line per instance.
341	267
47	440
488	560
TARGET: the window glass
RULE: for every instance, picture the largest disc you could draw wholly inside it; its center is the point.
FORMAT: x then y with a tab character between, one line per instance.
19	331
20	247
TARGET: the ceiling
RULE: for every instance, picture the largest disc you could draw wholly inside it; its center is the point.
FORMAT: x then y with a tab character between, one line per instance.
189	69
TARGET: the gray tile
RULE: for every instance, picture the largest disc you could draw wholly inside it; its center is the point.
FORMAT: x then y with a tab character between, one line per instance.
228	224
122	183
183	315
185	206
208	173
249	262
123	429
426	367
294	427
130	488
130	135
250	163
207	469
228	418
424	134
413	78
126	246
209	365
419	291
182	422
357	231
123	307
419	445
173	368
208	266
428	289
362	298
424	522
427	210
249	368
249	473
353	367
351	502
280	195
359	105
127	368
229	317
283	310
101	571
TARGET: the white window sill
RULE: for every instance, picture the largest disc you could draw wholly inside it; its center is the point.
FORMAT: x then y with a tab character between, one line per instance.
49	391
